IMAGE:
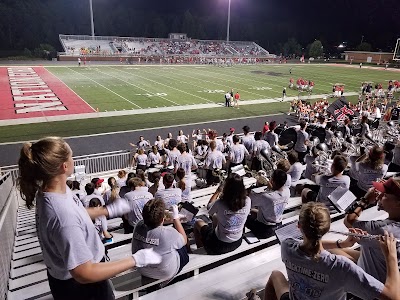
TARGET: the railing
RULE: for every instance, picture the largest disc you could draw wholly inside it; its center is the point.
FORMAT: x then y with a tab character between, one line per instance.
94	163
8	223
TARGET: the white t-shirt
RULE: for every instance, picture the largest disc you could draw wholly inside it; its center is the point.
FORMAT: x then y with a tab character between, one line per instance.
137	200
182	138
159	144
85	201
171	196
295	171
153	159
187	162
141	159
66	233
230	223
214	160
165	241
271	205
238	153
172	155
248	141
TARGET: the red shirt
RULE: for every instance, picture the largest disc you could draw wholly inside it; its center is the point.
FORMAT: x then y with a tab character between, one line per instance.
237	96
265	129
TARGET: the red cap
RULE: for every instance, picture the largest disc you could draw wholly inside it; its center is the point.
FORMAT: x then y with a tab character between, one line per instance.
100	181
232	129
389	186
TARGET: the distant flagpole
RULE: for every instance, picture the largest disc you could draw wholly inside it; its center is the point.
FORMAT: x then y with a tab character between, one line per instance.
91	17
229	21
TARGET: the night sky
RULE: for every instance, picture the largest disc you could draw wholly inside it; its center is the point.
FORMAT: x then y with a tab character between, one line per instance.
331	21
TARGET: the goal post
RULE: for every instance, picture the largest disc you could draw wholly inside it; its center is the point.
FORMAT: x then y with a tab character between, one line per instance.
396	55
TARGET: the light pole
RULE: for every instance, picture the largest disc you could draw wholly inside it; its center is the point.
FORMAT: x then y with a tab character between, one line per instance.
229	21
91	18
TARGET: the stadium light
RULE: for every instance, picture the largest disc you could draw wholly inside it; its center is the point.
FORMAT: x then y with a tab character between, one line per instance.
91	17
229	21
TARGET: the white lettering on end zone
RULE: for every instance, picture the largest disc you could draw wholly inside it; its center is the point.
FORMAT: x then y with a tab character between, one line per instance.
31	93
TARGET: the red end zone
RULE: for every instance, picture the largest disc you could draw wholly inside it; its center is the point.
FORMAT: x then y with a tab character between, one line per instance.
30	92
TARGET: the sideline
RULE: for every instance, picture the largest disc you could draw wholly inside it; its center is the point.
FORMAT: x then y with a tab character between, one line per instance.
151	110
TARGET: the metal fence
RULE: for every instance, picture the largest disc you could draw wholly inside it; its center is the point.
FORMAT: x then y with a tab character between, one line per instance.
94	163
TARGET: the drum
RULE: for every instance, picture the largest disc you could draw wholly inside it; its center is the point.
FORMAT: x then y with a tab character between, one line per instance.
288	136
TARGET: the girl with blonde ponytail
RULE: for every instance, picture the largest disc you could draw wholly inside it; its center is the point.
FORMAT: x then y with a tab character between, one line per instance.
72	249
314	273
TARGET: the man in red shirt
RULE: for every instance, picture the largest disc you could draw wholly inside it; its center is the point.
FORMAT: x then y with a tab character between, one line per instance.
265	128
237	98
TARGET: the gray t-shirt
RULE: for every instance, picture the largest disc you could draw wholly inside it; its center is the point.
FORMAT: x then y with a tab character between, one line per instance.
271	205
171	196
237	153
248	141
100	224
66	233
331	277
85	201
372	260
164	240
295	171
172	156
366	175
230	223
300	146
214	160
258	146
137	200
272	138
186	161
328	184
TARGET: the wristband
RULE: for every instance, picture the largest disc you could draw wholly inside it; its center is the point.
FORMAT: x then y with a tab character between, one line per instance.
338	243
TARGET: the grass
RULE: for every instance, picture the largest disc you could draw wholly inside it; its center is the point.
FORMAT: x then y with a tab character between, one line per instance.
133	87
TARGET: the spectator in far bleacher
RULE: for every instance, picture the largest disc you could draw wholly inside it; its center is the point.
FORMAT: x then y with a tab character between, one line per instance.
326	276
72	250
229	207
169	242
268	207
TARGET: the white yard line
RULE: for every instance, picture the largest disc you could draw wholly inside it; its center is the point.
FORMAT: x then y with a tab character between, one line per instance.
132	74
70	88
122	97
143	89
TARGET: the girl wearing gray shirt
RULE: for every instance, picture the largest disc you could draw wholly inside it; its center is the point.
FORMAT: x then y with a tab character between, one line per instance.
72	249
314	273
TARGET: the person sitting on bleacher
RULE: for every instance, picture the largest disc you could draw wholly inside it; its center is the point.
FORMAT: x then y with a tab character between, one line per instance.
90	188
326	184
314	273
71	248
184	183
136	198
100	223
214	160
386	195
269	206
296	168
369	169
167	241
121	181
99	189
229	207
111	194
237	153
310	167
170	195
125	189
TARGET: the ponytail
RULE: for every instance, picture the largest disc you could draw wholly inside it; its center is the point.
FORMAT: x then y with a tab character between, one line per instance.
38	164
315	221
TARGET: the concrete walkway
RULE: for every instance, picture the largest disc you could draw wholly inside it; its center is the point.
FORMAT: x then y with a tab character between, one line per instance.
150	110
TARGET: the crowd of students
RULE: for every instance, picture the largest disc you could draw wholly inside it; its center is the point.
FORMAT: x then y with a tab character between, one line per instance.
72	223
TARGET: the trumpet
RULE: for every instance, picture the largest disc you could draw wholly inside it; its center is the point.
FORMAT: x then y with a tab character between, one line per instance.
361	236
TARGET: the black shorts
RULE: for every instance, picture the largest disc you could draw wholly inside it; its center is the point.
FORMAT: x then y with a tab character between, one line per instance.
213	245
285	296
141	167
72	289
261	230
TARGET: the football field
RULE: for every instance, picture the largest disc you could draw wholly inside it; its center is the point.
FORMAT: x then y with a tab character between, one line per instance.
109	98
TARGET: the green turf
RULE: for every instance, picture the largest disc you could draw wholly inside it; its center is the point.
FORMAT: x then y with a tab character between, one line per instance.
130	87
